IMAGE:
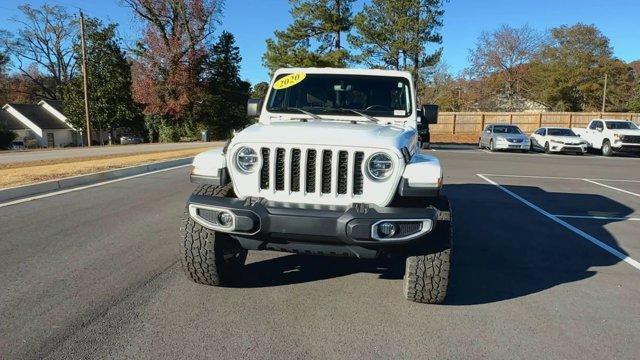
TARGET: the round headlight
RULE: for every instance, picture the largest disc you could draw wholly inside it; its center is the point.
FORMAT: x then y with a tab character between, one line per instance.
380	166
246	159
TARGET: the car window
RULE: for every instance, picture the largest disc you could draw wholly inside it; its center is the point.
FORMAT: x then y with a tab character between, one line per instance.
620	125
488	128
561	132
338	94
595	125
506	129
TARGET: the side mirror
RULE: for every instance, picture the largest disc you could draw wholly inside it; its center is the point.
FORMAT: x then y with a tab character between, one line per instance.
254	106
428	114
599	129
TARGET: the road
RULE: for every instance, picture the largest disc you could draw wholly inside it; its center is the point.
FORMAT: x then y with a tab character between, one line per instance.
12	157
93	274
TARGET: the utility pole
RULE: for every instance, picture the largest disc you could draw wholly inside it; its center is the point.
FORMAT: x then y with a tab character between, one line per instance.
604	92
84	79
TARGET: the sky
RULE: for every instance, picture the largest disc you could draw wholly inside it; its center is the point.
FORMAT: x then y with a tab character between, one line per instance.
254	21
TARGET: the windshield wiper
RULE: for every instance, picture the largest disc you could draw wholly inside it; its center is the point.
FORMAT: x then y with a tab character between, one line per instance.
315	116
368	117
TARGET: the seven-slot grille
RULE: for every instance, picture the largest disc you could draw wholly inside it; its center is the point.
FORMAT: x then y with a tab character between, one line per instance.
312	171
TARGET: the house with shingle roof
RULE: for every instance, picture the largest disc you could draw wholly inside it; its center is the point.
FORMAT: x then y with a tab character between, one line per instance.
43	123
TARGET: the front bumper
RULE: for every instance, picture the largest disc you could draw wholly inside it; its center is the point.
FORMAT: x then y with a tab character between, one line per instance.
341	231
626	147
511	146
568	148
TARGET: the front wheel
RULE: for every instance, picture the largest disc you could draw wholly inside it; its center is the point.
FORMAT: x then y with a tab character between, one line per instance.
491	146
426	276
546	148
209	257
606	148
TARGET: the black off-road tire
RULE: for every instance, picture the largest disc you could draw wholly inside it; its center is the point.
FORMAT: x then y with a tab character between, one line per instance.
209	257
427	274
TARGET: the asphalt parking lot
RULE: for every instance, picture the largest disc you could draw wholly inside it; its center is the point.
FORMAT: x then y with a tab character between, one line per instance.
545	266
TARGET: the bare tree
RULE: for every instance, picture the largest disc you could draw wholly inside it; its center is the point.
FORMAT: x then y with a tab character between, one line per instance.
501	57
45	40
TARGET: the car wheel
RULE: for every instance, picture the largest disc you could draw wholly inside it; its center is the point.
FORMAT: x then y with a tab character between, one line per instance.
531	147
546	148
480	144
491	147
606	148
209	257
427	269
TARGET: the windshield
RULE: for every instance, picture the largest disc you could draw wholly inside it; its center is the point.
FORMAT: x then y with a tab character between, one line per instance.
340	94
560	132
620	125
505	129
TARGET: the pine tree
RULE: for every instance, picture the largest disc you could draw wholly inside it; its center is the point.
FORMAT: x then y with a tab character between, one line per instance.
396	33
314	38
228	93
111	103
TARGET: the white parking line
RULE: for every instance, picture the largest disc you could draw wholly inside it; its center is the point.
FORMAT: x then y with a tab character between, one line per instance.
65	191
557	178
612	188
583	234
597	217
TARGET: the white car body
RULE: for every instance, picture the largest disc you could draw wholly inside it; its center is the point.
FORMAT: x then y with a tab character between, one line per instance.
336	133
599	133
542	140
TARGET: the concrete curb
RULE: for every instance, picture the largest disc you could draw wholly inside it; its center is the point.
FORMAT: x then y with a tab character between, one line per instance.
73	181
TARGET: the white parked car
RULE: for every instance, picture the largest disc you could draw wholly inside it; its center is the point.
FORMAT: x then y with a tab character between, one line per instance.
611	136
332	167
503	137
555	139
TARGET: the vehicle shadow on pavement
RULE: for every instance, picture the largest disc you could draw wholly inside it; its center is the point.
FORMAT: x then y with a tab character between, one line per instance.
295	269
502	249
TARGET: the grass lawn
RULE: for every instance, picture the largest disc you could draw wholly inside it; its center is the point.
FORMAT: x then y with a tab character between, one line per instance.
35	171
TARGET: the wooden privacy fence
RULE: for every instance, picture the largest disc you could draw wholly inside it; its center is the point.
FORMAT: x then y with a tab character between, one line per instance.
465	126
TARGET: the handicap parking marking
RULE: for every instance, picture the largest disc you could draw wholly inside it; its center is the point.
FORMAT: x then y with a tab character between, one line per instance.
565	224
612	187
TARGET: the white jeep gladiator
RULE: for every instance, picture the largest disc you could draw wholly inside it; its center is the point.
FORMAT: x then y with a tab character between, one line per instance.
332	167
611	136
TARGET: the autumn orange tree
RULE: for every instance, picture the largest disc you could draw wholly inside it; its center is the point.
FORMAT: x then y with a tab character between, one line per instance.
168	61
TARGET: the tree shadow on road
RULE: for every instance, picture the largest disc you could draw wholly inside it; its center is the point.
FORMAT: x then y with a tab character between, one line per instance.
504	249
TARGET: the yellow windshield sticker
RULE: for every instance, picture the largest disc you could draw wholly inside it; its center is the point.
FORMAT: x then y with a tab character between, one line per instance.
289	80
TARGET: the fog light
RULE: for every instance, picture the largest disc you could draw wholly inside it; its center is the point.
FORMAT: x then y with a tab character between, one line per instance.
225	218
387	229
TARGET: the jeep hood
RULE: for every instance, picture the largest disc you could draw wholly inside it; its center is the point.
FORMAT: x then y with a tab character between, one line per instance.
327	132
